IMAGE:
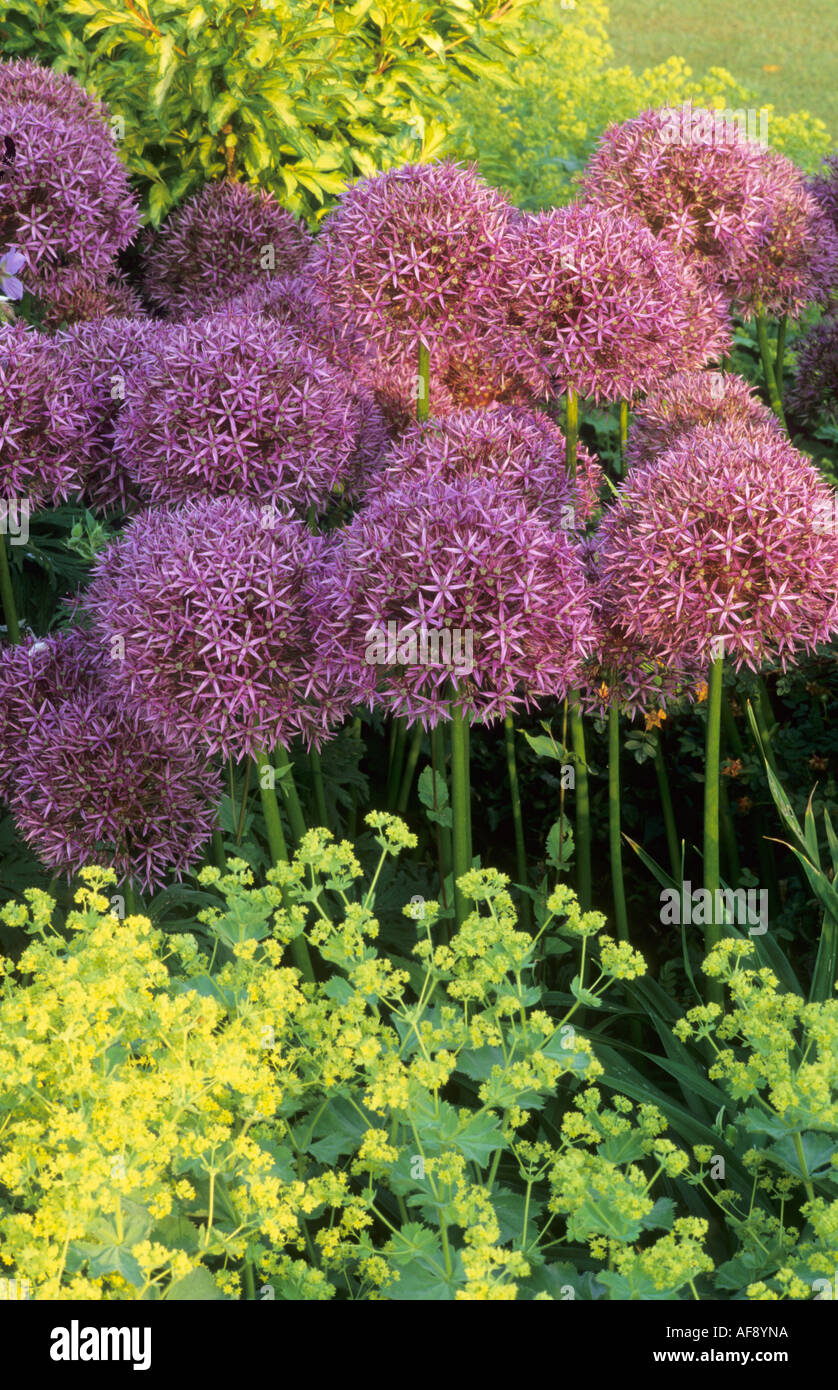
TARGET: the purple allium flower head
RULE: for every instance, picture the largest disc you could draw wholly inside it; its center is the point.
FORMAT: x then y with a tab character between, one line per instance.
218	243
411	254
689	399
38	673
824	186
237	404
25	81
99	786
221	618
45	422
523	451
10	286
594	301
722	538
815	390
65	201
458	584
738	209
99	357
71	297
292	302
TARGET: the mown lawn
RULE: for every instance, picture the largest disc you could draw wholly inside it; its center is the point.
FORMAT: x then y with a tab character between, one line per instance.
785	52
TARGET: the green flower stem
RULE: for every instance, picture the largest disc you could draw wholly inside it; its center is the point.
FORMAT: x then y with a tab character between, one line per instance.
614	837
460	794
218	851
672	843
729	838
571	430
352	823
278	848
584	880
130	898
288	787
7	597
801	1158
768	369
624	419
517	820
410	768
779	358
712	931
398	745
319	789
443	832
423	403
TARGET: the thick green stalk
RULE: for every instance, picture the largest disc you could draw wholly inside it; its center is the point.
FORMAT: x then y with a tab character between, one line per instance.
278	848
712	930
288	787
352	823
410	768
624	417
584	881
672	844
218	851
130	899
614	837
319	789
460	794
571	430
729	838
423	403
517	820
768	369
397	752
779	358
443	833
7	597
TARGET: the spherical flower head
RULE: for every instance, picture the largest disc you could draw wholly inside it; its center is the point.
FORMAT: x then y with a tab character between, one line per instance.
455	593
814	394
689	399
292	302
521	450
71	297
719	546
45	422
99	786
38	674
25	81
99	356
593	301
824	187
231	403
65	200
217	244
740	211
218	616
410	255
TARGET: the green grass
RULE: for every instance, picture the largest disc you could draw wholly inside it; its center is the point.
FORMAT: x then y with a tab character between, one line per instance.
799	38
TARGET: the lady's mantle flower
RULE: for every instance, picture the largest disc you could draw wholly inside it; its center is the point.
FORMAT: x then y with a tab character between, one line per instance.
217	617
97	785
231	404
690	399
10	286
718	545
410	255
455	592
218	243
590	299
521	450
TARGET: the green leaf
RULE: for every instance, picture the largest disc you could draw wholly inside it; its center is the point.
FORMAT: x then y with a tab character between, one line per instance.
433	794
196	1287
584	995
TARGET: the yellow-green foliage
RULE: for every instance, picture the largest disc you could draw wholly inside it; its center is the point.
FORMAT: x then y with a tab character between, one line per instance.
534	135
